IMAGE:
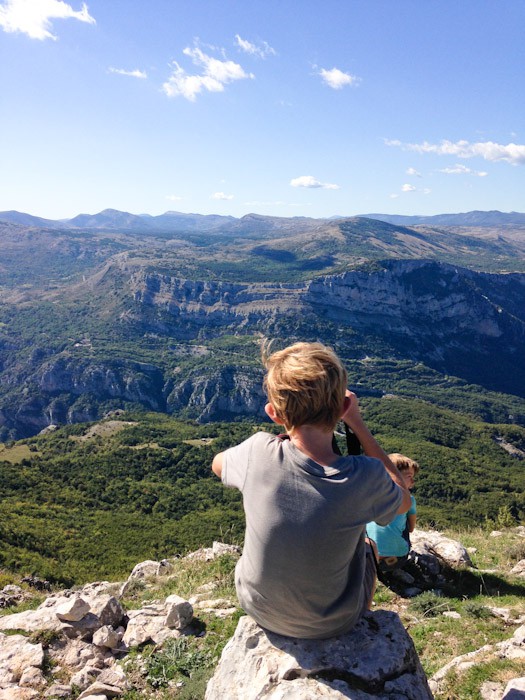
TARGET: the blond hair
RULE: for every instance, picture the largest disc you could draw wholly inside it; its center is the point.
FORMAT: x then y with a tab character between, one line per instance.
404	463
306	384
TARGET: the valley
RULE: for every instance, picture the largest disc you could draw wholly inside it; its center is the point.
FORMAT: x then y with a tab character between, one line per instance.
122	315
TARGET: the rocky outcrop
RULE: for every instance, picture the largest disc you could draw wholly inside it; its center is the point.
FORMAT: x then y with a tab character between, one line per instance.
219	394
131	381
86	633
376	660
512	649
79	642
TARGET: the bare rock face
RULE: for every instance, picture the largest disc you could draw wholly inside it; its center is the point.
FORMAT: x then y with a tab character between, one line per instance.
376	660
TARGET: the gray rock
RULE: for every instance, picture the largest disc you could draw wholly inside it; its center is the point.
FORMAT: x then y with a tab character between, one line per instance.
146	569
513	648
179	613
519	568
376	659
72	610
58	690
17	693
216	550
107	609
32	677
85	677
147	625
432	542
491	691
107	637
98	689
16	655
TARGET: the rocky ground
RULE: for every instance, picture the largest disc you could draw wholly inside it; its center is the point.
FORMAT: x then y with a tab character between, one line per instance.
160	633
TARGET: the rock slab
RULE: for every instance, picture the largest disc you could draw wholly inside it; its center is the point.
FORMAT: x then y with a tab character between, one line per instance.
375	661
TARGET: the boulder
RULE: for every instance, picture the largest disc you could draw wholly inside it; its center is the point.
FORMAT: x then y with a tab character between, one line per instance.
99	690
84	678
150	568
216	550
107	609
179	613
32	677
72	610
431	542
147	624
43	618
375	660
108	637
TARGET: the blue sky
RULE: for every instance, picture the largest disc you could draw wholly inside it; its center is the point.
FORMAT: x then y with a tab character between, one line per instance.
283	108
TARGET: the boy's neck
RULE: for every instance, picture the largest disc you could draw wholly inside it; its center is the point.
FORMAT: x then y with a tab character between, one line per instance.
315	442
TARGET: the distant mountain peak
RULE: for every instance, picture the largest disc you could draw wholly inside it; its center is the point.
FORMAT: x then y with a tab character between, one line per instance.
493	217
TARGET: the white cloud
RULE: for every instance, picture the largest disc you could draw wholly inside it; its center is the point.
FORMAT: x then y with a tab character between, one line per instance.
33	17
132	73
413	171
336	79
262	50
459	169
174	198
512	153
408	188
215	75
310	182
221	195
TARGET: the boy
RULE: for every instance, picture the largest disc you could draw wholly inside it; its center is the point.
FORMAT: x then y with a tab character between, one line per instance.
393	540
305	571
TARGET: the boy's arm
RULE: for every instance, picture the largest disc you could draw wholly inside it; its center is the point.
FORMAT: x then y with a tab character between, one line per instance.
352	417
411	519
216	465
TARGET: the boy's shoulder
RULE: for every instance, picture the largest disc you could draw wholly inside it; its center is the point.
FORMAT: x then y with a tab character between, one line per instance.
258	440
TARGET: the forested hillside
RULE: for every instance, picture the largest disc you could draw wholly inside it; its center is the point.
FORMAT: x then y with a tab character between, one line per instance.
88	501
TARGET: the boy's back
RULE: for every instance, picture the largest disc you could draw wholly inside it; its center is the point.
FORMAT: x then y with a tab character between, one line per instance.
304	534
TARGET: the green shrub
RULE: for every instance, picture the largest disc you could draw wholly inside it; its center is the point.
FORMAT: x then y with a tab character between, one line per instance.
475	609
429	604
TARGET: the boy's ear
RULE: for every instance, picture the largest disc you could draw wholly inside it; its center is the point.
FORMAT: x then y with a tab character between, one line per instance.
272	415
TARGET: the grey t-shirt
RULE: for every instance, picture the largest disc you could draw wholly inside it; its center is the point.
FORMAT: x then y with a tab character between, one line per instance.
302	568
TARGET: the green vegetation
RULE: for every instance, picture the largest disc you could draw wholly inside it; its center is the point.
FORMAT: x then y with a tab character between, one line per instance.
89	501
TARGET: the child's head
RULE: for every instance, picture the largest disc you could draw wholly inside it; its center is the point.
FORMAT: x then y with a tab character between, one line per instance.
306	385
408	467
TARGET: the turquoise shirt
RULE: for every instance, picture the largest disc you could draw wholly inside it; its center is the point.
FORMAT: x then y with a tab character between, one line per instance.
389	538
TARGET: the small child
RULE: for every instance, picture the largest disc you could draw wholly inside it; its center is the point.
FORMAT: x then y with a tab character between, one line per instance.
393	540
306	570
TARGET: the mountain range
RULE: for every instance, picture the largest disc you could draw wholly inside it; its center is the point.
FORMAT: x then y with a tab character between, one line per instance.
104	314
172	220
